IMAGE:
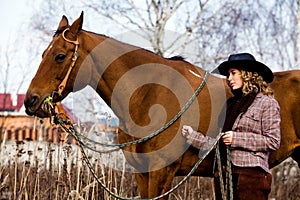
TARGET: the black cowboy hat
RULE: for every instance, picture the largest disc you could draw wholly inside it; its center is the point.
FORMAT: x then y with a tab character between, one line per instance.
247	62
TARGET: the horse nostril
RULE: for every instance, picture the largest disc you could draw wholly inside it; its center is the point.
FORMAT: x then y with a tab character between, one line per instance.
31	101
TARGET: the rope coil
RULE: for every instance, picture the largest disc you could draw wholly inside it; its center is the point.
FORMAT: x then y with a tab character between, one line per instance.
227	188
69	128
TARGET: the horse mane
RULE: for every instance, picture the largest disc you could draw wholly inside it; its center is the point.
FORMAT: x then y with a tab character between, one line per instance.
61	29
179	58
173	58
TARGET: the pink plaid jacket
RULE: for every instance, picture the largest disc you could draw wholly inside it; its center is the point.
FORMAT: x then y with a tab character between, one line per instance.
255	133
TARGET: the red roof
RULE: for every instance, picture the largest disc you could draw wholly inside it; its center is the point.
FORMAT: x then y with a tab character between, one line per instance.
14	102
70	113
11	102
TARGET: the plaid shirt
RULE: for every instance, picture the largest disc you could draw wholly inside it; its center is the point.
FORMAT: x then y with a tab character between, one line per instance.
255	133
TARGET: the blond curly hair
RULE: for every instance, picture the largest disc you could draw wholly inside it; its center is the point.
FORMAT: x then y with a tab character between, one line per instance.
253	82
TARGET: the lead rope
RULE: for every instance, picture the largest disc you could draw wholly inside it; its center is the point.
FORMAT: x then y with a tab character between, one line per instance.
229	174
227	188
70	129
67	125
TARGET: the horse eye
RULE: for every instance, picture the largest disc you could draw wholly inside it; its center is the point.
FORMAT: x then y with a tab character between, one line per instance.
60	57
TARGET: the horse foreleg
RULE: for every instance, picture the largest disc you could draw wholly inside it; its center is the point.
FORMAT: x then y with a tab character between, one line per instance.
160	182
142	182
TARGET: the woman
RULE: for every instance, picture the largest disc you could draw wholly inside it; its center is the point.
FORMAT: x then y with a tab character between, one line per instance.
251	127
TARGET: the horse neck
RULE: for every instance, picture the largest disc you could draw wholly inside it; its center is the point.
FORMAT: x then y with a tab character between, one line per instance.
123	74
111	60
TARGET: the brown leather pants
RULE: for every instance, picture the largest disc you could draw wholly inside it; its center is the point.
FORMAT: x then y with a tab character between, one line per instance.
248	183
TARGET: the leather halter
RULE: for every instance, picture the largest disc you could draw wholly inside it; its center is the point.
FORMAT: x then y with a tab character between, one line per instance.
62	85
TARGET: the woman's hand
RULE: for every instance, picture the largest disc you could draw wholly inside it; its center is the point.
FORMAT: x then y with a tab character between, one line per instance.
186	130
227	137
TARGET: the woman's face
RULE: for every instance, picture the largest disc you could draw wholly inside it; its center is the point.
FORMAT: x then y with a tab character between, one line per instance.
234	78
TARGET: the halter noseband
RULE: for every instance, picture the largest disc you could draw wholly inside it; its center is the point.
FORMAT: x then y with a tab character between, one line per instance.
62	85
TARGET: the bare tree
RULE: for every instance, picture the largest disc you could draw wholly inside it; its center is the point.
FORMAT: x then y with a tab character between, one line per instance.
207	31
194	24
270	29
14	71
204	32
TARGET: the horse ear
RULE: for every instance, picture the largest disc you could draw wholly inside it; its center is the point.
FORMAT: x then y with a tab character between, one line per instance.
63	23
77	25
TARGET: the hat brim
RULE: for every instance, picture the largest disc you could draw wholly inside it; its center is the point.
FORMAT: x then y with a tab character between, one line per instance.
247	65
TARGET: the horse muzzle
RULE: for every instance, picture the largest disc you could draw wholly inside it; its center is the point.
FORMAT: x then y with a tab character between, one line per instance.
40	106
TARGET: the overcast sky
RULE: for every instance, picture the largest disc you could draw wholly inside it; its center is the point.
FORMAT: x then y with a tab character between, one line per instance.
13	14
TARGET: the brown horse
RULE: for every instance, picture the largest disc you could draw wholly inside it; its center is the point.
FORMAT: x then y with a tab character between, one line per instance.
146	91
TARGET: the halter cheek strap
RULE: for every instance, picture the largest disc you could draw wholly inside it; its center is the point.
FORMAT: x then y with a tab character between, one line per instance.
62	85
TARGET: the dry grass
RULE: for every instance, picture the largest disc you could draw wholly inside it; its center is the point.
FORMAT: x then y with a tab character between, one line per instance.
42	170
51	172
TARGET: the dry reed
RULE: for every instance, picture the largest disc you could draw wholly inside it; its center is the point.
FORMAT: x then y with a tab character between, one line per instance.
42	170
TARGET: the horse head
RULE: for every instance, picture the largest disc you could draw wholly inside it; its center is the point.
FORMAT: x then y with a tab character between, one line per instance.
60	63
